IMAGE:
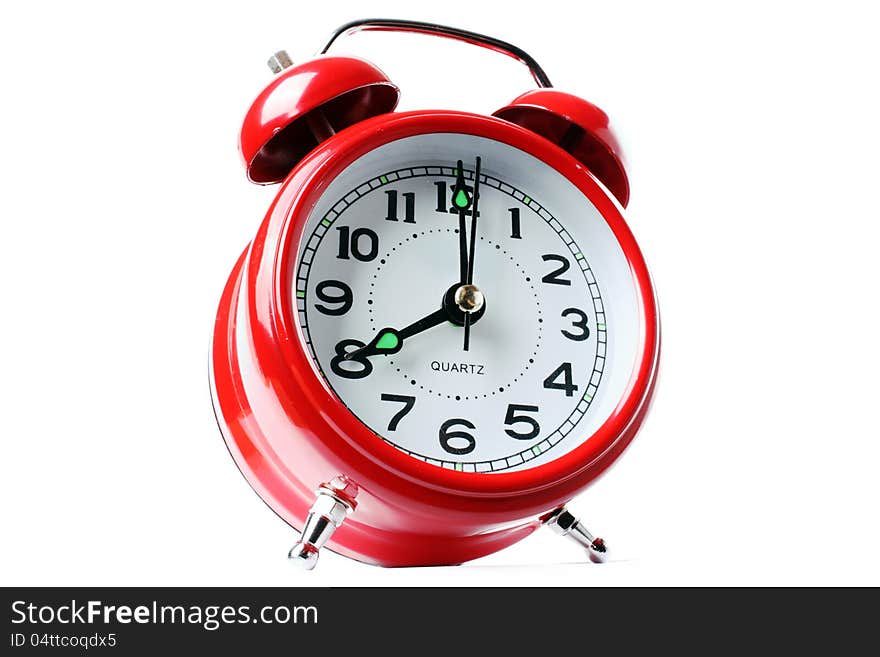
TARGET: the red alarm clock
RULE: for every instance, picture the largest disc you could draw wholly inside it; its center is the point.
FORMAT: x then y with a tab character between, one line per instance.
444	329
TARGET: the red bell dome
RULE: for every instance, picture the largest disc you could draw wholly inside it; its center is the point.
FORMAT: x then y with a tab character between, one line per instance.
578	127
305	105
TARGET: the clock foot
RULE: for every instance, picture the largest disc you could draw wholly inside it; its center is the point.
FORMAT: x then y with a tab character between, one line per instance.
326	515
564	523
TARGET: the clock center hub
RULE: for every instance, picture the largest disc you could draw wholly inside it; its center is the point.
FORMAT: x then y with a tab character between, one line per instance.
469	299
462	299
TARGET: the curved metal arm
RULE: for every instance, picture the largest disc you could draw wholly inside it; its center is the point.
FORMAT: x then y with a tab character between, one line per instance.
419	27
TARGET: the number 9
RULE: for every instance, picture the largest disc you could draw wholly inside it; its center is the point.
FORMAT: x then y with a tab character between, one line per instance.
345	297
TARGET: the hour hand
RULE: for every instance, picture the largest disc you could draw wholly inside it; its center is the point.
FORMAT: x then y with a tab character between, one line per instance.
390	341
462	200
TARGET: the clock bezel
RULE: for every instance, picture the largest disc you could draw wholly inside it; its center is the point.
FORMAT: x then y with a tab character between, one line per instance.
301	381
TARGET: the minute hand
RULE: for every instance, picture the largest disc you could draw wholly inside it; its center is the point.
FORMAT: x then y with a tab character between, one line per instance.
473	235
390	341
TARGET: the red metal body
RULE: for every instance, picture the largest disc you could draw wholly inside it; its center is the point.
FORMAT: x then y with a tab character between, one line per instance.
288	432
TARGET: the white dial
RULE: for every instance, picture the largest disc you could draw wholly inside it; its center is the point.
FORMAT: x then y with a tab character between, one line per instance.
553	338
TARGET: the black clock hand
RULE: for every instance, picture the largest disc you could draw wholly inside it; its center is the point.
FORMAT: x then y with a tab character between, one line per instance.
470	267
390	341
462	201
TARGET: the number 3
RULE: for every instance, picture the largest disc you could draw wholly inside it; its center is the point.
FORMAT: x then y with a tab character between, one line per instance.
580	323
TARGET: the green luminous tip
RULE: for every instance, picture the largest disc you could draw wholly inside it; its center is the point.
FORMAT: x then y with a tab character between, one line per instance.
461	199
387	340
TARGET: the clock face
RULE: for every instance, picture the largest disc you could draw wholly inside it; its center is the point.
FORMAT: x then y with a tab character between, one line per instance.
509	372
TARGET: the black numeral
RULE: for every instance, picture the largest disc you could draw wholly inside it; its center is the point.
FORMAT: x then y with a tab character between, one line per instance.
580	322
514	224
408	403
344	298
352	241
553	276
409	209
446	437
563	371
363	365
442	200
513	418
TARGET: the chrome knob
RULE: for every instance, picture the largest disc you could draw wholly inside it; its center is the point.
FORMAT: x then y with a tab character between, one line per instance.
279	61
327	513
564	523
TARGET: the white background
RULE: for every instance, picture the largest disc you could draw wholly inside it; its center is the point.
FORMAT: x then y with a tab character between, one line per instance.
752	136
